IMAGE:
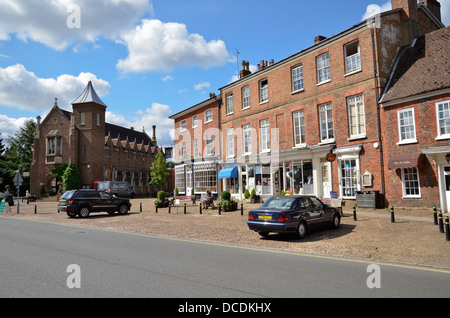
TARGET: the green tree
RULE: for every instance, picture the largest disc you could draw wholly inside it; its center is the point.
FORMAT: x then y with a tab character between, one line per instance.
159	172
70	179
18	155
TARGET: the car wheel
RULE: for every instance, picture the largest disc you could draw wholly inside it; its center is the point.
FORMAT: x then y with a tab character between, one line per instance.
301	230
123	209
84	212
71	214
336	221
263	233
111	212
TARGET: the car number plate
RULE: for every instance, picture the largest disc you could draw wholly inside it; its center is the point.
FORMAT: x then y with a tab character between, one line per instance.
265	217
62	202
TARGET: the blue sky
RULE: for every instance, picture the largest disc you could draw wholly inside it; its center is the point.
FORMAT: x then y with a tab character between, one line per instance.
149	59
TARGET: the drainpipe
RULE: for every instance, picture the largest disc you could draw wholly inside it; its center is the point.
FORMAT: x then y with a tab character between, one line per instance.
380	144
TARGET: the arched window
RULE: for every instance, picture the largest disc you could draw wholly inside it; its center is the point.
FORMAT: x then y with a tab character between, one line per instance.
82	119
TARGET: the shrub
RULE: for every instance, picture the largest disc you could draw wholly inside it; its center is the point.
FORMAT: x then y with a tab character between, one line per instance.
176	192
246	194
161	195
253	194
282	192
226	195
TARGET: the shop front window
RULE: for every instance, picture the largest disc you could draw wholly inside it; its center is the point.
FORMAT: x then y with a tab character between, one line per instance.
349	177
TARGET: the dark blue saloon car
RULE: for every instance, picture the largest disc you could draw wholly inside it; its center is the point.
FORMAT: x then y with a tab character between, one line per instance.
292	214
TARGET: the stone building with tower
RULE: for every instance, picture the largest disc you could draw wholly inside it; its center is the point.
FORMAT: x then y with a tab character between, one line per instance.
100	150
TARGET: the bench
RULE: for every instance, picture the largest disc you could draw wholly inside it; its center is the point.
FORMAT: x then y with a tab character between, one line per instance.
334	203
184	198
32	198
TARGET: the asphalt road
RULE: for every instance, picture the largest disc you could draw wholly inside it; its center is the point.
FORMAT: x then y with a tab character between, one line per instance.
36	260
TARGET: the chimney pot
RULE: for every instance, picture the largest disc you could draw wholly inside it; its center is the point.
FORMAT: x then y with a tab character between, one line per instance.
319	38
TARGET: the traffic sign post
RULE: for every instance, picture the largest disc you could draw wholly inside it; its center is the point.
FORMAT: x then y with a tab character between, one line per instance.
18	182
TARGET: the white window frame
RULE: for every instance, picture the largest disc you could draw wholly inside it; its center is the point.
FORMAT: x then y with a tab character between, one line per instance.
183	150
264	91
410	171
183	125
247	139
412	139
324	117
209	145
297	78
208	116
194	121
82	119
323	68
264	135
246	97
298	122
352	62
230	142
195	147
357	103
230	105
446	134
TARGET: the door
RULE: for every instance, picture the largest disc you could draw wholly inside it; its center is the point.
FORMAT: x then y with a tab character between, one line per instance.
447	186
326	179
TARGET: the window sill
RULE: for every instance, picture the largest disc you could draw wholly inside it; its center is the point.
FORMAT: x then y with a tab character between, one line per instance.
328	141
264	102
298	91
407	142
300	146
357	137
324	82
246	108
228	114
353	72
412	197
443	137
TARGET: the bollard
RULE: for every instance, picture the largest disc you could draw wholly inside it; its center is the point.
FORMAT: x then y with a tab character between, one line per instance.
35	209
435	216
140	207
242	209
447	229
184	208
392	215
156	207
354	212
169	208
441	222
200	209
220	209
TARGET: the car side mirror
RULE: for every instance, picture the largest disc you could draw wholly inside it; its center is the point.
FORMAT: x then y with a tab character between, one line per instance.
326	206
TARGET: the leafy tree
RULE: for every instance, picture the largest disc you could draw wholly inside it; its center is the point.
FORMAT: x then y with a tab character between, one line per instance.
159	172
70	179
18	155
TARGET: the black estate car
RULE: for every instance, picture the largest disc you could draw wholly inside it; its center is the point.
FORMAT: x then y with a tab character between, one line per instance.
83	202
294	214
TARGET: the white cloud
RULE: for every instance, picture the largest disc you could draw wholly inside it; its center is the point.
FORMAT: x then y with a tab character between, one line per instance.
202	85
445	11
23	89
157	114
154	45
373	9
167	78
9	126
46	21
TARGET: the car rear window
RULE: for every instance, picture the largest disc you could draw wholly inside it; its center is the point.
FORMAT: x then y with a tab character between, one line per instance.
68	194
279	203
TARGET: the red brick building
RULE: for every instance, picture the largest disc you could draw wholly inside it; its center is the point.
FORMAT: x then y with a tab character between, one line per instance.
312	123
197	148
416	122
280	124
101	151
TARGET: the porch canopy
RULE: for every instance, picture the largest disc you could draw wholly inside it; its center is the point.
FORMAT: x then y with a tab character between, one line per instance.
404	160
228	173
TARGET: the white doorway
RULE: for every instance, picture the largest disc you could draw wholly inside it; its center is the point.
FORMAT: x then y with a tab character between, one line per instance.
447	187
325	168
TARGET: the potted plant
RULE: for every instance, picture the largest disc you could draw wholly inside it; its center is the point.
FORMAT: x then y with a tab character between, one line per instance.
162	200
246	194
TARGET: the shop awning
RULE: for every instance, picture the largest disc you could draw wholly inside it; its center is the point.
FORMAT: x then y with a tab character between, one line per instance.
404	160
228	173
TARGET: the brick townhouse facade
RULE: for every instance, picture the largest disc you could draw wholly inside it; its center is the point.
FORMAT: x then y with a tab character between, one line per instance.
100	150
416	119
311	123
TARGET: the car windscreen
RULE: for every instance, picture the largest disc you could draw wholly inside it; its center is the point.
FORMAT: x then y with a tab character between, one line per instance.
279	203
68	194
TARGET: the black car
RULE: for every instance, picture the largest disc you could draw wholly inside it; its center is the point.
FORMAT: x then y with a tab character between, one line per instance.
292	214
83	202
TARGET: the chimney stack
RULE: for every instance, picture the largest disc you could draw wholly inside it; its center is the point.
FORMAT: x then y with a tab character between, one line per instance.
245	69
154	133
319	38
409	7
434	6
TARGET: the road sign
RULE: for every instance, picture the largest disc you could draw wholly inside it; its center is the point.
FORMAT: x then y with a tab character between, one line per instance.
18	179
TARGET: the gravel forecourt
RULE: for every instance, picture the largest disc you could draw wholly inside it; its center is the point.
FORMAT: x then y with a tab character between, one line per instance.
413	239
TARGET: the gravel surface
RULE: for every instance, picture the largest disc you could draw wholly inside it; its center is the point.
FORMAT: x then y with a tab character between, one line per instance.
412	239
